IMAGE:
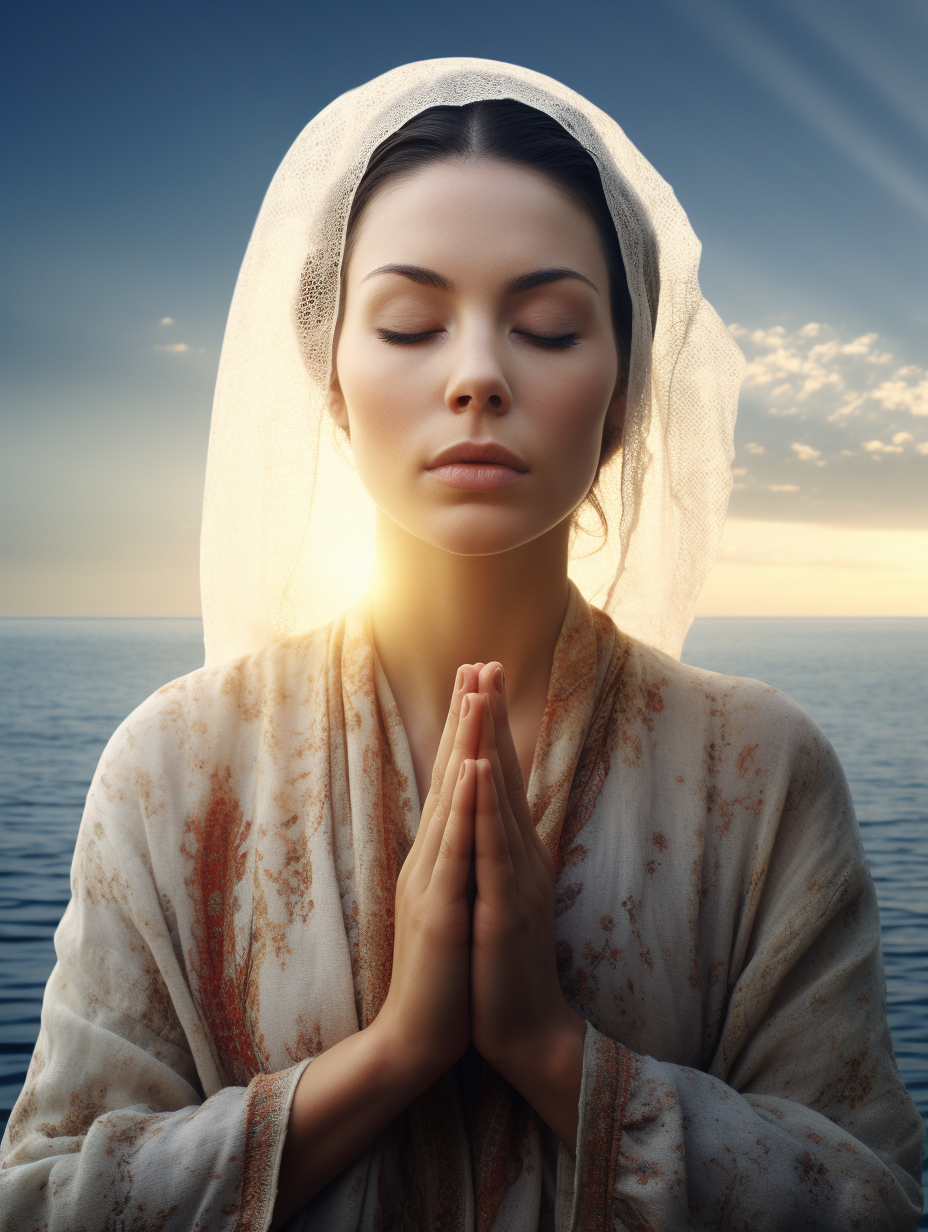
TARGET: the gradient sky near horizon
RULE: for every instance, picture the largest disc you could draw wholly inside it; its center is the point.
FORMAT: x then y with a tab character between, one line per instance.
139	141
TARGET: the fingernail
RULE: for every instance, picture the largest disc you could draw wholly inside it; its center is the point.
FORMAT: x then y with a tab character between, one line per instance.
498	680
458	680
462	771
465	706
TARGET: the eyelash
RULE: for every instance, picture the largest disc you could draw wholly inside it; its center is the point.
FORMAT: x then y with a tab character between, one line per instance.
548	342
397	339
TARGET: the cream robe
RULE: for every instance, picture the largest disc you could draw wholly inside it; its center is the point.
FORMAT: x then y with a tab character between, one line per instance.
232	917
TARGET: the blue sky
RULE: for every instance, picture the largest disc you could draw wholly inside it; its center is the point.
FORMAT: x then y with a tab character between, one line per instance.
139	141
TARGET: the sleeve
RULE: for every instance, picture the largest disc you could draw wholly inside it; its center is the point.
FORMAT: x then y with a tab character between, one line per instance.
802	1120
112	1128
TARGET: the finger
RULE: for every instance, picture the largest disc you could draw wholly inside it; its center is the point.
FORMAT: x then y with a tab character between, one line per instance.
465	743
443	774
488	750
496	878
465	682
493	681
453	863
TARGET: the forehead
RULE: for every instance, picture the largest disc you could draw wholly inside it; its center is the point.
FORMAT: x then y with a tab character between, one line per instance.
475	213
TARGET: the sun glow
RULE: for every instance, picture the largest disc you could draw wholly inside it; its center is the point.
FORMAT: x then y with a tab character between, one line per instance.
805	569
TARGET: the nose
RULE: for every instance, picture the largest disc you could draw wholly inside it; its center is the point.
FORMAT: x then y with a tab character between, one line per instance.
477	381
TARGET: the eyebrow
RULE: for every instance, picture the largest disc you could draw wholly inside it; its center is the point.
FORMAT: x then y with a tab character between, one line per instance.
540	278
523	282
415	273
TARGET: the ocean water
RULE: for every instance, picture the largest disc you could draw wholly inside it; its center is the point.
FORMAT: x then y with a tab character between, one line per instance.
65	685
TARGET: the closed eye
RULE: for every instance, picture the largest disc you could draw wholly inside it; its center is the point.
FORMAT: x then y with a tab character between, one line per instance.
396	338
551	342
555	342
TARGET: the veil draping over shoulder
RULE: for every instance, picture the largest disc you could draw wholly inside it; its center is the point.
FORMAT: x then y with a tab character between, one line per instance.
288	529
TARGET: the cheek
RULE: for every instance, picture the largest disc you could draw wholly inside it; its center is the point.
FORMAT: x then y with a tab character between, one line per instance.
386	401
569	411
380	392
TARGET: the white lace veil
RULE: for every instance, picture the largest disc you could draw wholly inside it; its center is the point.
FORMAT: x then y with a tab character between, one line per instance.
288	530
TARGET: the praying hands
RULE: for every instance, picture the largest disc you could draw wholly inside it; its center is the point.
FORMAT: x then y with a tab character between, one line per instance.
474	950
473	961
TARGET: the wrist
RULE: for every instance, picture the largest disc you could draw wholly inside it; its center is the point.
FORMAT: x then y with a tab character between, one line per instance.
342	1101
398	1051
548	1073
370	1068
544	1059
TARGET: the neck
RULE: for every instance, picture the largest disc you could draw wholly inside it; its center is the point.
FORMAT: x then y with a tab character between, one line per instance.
433	610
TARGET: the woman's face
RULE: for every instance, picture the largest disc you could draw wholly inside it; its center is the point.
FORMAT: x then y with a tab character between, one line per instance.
476	363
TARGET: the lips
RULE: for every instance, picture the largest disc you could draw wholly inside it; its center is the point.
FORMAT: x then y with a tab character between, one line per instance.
480	466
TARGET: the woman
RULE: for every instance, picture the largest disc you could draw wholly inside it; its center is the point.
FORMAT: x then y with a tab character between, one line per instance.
644	993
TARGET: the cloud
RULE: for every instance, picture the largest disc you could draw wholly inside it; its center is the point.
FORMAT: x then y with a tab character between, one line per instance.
166	321
805	453
906	390
832	429
876	447
175	348
812	371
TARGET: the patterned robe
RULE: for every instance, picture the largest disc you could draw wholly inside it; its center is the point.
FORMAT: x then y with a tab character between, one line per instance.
232	917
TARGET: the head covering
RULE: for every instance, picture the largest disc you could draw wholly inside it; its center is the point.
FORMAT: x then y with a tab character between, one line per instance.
288	529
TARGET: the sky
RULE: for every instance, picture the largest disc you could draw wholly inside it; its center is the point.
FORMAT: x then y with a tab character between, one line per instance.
139	141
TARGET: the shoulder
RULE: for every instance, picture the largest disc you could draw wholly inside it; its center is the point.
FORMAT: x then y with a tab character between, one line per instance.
748	746
717	706
741	768
222	719
240	692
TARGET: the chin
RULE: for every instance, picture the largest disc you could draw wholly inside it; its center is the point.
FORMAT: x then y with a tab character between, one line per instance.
483	532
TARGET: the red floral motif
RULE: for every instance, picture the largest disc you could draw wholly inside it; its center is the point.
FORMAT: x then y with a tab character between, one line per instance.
654	702
219	853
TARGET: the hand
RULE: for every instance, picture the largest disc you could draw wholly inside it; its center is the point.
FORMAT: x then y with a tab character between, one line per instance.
520	1021
427	1007
501	984
354	1089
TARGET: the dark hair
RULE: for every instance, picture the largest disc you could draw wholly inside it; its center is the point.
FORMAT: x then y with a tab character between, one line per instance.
511	132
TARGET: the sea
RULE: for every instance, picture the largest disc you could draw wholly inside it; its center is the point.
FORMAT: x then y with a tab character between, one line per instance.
66	684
